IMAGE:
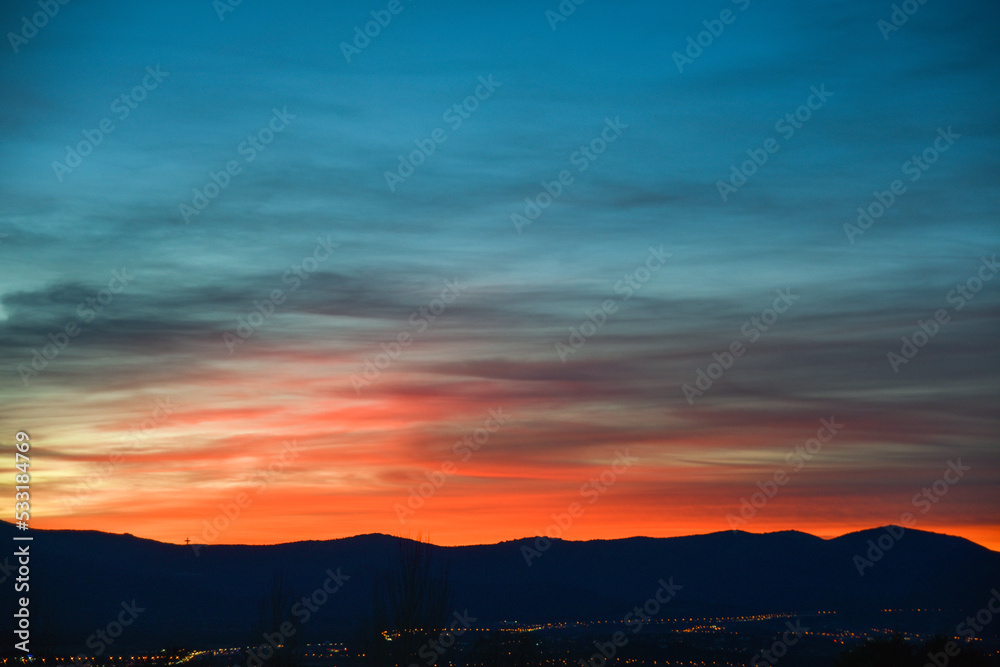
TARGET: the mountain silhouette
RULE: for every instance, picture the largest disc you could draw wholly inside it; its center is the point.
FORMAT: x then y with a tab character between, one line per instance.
210	596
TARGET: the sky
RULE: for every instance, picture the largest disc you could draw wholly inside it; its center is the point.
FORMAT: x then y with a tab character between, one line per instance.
490	272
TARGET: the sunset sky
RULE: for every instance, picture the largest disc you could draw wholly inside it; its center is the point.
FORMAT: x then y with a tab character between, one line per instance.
247	259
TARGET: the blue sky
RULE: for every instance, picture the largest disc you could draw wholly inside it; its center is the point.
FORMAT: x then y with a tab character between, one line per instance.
323	177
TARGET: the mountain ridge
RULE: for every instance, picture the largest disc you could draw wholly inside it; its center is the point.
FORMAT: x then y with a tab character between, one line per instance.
210	596
6	525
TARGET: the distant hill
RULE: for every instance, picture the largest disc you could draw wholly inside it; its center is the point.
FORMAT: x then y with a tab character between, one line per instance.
79	580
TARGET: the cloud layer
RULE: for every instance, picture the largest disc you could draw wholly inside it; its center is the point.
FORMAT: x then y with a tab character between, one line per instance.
304	301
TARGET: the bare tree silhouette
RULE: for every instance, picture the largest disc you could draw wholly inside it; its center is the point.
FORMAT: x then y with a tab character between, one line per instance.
410	605
273	612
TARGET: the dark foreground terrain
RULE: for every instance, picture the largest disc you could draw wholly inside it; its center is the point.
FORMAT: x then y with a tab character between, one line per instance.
728	598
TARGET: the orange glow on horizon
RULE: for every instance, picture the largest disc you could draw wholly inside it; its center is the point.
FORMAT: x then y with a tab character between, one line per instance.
292	461
249	532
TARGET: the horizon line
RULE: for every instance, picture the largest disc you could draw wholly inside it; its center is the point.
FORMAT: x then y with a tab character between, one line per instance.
420	538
